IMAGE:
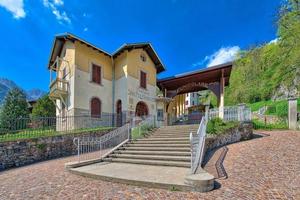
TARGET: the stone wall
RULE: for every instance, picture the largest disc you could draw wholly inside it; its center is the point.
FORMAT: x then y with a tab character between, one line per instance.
242	132
27	151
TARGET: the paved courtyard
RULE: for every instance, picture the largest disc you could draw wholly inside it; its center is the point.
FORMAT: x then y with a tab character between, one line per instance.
262	168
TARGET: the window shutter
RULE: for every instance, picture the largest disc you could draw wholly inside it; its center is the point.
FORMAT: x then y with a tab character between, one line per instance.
96	74
143	81
95	107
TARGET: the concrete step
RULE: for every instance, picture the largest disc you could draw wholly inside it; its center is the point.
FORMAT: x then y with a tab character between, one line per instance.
186	149
163	139
157	145
150	162
167	153
162	142
152	157
169	136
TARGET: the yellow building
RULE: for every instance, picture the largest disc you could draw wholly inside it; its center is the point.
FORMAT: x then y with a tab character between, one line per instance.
88	81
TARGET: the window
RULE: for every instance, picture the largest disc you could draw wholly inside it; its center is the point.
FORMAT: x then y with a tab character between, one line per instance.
95	107
143	80
96	74
186	102
187	94
64	73
160	115
143	57
193	103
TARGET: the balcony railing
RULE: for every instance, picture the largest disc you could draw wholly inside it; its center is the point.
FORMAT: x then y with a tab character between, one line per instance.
58	87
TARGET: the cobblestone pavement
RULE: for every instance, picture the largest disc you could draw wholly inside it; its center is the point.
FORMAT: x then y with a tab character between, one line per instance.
262	168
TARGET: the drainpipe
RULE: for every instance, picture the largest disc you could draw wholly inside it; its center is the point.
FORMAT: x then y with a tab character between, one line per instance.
113	90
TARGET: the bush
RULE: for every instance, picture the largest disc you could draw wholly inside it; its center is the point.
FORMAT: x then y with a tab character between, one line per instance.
44	108
218	126
261	125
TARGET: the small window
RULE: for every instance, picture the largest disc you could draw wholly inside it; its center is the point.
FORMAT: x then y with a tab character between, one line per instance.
160	115
64	73
186	102
187	94
143	80
96	74
95	107
143	57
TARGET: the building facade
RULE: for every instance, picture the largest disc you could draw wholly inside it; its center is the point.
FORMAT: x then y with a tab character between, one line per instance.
86	80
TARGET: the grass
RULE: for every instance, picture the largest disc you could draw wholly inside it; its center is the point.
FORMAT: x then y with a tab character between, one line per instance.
38	133
257	105
217	126
140	132
261	125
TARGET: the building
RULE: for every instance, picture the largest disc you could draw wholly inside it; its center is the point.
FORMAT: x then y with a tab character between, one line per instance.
191	99
88	81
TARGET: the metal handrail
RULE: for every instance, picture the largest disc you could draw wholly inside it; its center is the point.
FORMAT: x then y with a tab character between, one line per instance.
198	144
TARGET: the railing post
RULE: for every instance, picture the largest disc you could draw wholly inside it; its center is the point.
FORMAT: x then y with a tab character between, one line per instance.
78	150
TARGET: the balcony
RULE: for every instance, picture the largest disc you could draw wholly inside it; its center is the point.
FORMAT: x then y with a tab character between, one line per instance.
58	88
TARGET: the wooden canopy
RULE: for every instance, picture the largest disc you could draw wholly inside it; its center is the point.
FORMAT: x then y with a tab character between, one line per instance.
209	78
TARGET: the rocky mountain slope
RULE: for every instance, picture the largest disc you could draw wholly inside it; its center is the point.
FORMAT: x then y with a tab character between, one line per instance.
6	85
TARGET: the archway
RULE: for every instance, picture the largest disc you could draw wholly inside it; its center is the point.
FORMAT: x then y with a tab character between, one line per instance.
141	109
119	112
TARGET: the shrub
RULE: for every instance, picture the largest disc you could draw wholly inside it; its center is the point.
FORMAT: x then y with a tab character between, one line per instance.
218	126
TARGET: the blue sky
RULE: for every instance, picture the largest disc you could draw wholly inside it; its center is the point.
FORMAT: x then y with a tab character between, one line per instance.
187	35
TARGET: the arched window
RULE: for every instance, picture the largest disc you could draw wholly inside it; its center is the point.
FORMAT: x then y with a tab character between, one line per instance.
95	107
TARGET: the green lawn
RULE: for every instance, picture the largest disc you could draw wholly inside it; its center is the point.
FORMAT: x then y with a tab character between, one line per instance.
277	108
38	133
261	125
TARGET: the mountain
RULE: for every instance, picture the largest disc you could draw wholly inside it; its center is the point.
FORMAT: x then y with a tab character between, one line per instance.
6	85
34	94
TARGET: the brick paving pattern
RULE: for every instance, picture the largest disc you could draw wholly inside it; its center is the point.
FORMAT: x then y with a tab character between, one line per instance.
262	168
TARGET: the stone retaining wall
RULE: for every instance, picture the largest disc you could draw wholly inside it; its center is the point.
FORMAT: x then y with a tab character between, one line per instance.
243	132
27	151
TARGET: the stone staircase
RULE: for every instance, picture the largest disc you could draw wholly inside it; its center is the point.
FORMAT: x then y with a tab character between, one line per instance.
167	146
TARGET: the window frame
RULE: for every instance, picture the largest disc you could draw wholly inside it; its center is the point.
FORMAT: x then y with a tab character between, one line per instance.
91	108
100	75
140	79
160	118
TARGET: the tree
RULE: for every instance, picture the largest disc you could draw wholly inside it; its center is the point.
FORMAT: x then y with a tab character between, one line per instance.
44	107
14	107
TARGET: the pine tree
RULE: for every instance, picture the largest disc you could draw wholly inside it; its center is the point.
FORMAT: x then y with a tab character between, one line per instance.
44	107
14	107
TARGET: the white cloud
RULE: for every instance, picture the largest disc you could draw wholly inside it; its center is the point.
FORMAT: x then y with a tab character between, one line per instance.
223	55
85	29
274	41
58	2
16	7
60	15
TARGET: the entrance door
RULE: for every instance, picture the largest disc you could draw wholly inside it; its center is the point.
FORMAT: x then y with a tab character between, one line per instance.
141	109
119	113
